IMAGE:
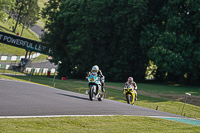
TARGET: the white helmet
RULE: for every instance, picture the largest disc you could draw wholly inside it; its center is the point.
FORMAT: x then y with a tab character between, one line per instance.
130	79
95	69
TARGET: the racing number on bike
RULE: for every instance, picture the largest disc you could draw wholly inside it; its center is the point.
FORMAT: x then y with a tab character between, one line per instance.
92	80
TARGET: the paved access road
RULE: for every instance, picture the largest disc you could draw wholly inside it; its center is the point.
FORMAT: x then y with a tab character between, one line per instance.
37	29
27	99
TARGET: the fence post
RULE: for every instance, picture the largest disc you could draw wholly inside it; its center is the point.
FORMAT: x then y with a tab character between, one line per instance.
187	94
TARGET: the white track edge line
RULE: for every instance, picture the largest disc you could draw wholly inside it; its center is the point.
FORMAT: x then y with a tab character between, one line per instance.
46	116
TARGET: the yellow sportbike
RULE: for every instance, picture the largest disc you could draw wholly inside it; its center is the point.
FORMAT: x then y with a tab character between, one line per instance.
129	94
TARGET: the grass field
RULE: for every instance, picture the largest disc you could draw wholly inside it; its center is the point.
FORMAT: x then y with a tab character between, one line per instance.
10	71
104	124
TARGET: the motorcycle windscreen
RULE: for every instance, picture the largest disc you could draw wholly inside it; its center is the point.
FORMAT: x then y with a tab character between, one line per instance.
93	77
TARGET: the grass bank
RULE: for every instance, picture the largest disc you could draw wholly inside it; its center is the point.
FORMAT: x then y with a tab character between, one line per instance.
4	71
106	124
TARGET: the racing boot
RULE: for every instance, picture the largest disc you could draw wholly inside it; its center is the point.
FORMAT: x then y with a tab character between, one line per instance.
135	98
102	84
103	90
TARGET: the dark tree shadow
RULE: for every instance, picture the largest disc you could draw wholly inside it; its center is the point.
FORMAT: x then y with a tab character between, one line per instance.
5	29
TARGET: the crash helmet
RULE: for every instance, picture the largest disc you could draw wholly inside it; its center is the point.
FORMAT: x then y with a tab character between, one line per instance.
130	79
95	69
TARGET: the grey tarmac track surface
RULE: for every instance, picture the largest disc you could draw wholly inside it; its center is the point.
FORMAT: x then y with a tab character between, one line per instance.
27	99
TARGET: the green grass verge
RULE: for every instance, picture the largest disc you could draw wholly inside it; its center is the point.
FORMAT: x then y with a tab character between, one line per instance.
163	89
81	86
170	89
10	71
40	58
10	78
106	124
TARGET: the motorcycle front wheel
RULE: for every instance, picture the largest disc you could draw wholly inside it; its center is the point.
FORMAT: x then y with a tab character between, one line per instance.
132	100
91	93
128	98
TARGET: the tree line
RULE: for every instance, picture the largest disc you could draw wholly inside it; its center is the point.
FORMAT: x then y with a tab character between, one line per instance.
25	12
125	38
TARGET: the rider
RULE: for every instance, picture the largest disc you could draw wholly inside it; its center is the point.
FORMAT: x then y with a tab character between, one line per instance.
131	82
95	69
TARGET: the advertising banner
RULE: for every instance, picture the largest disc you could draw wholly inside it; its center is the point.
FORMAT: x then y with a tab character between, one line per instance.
22	42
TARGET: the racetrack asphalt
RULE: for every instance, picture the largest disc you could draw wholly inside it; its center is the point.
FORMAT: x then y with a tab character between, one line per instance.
28	99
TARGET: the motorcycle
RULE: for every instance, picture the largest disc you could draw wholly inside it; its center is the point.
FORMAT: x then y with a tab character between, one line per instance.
129	94
95	91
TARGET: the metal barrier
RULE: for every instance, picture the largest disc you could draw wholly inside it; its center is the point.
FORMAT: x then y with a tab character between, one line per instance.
36	67
12	57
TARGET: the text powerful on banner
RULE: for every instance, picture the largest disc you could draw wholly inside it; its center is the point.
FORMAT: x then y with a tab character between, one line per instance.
22	43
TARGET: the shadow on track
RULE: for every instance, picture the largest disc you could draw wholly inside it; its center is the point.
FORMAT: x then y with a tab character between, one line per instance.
74	96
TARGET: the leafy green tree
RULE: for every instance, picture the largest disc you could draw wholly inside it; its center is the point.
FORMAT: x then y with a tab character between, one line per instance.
125	37
173	43
97	32
24	11
50	12
31	14
5	5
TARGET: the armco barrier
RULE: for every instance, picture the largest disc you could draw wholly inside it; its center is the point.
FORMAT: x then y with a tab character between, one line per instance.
29	69
39	70
14	58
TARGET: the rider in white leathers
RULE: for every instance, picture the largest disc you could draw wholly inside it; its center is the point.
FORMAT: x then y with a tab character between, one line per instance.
131	82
